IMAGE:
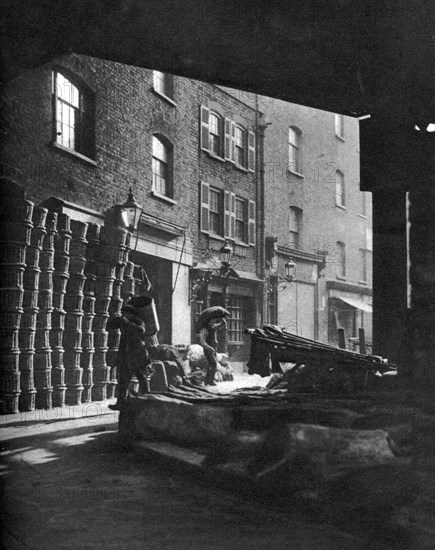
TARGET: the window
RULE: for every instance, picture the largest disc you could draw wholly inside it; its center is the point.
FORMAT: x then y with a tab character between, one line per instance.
339	126
363	265
215	135
240	220
295	223
341	260
164	84
237	318
162	166
223	138
363	204
73	119
215	212
223	213
240	147
294	153
340	198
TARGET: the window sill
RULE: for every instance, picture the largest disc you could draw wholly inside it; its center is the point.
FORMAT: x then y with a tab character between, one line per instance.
214	156
362	283
362	216
340	278
340	206
241	168
214	236
165	97
242	244
163	197
298	174
73	153
341	138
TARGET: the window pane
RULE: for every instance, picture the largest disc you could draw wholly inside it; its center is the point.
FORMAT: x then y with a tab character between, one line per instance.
215	211
237	318
215	134
159	150
159	176
240	220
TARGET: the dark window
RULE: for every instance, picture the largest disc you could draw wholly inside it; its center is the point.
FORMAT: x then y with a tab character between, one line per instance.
240	220
295	224
216	136
240	147
363	265
341	259
237	320
164	84
73	115
162	166
215	211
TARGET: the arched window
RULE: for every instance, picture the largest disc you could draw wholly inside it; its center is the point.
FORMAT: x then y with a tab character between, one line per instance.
294	150
340	195
164	84
341	259
162	166
73	115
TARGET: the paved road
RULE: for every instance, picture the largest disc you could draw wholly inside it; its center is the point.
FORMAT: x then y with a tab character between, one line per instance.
66	488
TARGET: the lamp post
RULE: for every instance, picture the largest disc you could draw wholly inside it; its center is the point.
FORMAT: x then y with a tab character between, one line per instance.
130	212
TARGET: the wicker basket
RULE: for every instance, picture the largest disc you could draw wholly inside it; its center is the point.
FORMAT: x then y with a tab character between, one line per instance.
115	306
117	290
60	282
32	257
111	357
87	340
114	236
42	339
87	323
13	210
58	376
119	273
11	298
79	229
77	265
26	361
43	320
71	359
11	276
9	340
27	401
10	320
37	238
51	221
100	322
99	391
129	269
104	286
100	358
86	361
64	224
89	288
45	299
58	301
58	319
102	305
44	398
101	337
15	233
46	280
48	244
74	302
73	377
128	287
27	379
39	217
57	360
26	339
56	338
28	319
93	233
76	284
13	254
105	270
58	396
46	260
89	305
111	255
73	321
114	338
31	278
9	381
30	299
61	264
78	248
62	244
72	339
101	372
10	361
42	361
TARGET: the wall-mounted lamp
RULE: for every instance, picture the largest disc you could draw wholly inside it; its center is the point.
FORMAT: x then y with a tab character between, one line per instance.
130	212
225	254
290	269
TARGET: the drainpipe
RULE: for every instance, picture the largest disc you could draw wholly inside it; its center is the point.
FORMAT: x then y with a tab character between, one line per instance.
260	199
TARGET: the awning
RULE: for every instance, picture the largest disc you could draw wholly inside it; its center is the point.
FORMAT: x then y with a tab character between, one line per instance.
358	304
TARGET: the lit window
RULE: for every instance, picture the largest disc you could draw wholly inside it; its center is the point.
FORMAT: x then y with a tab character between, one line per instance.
339	126
240	147
73	115
295	222
240	220
215	129
164	84
294	153
161	166
237	319
215	211
341	259
340	197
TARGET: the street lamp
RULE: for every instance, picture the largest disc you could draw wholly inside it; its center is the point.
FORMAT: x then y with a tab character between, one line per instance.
290	268
130	212
225	254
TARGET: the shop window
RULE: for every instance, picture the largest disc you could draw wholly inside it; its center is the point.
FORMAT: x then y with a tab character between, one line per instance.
162	166
73	115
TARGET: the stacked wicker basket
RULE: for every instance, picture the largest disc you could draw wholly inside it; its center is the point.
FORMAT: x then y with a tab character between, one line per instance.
72	336
16	215
60	280
113	255
42	359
